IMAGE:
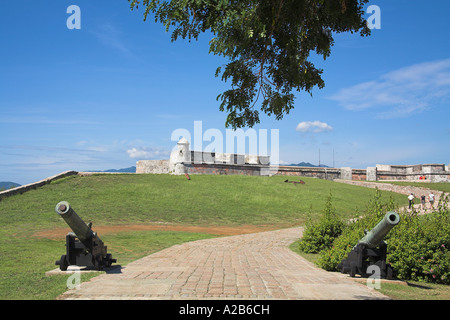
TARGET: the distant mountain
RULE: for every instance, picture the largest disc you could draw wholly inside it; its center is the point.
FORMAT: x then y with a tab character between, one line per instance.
8	185
129	170
307	164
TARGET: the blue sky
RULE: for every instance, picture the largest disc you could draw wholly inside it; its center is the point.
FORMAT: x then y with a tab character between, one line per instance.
112	92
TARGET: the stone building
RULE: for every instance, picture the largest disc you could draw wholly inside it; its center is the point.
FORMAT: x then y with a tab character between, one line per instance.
183	160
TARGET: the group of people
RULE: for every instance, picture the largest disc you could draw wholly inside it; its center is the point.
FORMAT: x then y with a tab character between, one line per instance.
411	198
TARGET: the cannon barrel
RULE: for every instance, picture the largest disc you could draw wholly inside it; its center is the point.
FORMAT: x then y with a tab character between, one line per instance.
371	251
373	238
78	226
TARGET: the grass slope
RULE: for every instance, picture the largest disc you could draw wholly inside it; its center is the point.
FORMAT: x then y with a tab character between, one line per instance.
204	200
144	199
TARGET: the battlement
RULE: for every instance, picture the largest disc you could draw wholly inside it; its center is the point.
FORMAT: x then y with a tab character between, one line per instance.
183	160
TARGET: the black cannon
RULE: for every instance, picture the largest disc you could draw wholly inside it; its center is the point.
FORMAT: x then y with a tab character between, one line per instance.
83	246
371	251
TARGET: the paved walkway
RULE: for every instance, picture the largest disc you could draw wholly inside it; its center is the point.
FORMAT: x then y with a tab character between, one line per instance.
406	190
249	266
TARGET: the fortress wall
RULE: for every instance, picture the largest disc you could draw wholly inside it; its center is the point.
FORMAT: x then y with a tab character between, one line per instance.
226	169
152	166
431	172
315	172
34	185
183	160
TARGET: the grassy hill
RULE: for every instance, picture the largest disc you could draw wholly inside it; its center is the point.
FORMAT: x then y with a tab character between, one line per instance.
129	199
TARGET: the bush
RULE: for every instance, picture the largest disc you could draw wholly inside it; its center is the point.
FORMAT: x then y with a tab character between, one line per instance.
319	236
354	231
417	246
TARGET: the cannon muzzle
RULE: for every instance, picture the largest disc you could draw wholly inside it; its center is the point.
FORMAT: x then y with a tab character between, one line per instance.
78	226
373	238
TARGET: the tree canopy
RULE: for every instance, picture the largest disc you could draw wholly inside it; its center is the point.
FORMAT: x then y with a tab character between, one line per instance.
267	42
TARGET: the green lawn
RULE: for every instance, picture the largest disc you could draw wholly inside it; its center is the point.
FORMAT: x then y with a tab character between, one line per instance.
203	200
145	199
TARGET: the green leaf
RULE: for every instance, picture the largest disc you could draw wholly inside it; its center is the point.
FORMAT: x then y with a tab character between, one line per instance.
267	43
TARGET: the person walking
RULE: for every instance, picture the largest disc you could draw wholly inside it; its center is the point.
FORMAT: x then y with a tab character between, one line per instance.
410	199
422	201
431	199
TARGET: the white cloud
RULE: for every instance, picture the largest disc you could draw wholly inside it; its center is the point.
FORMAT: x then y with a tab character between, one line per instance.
112	37
400	93
148	153
313	126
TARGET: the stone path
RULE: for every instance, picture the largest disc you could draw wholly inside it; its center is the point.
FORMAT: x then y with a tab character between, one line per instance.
406	190
249	266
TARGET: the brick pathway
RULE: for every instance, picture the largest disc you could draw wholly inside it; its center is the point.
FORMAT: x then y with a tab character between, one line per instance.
406	190
249	266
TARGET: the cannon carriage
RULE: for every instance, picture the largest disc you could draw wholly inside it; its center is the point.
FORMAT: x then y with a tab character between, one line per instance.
370	252
83	246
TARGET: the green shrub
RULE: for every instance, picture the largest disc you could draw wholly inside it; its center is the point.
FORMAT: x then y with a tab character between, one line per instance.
318	236
417	246
354	231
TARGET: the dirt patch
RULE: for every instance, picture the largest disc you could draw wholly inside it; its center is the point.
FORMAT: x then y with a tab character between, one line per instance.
60	233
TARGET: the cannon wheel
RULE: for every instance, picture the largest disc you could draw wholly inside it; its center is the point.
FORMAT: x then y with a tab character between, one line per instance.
98	263
389	272
63	263
352	272
108	260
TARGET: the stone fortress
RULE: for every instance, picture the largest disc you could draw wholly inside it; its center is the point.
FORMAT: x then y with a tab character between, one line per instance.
185	161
